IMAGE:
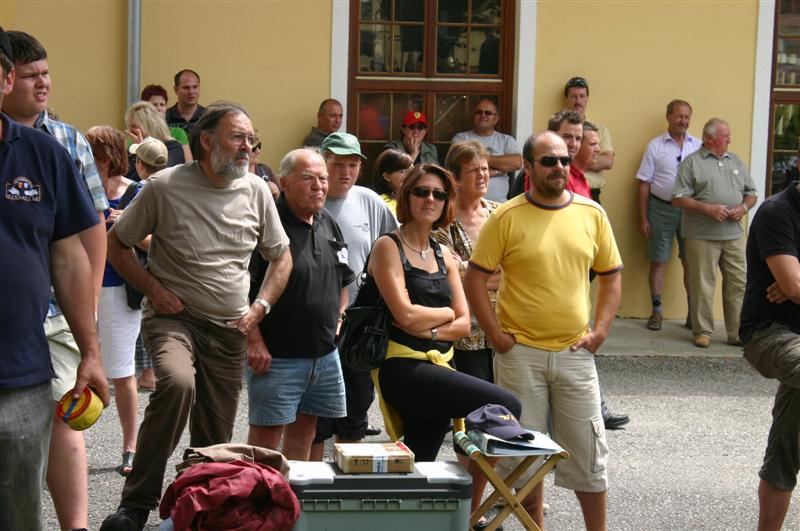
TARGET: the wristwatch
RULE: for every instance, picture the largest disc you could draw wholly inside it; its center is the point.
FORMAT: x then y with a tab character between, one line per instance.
265	303
434	333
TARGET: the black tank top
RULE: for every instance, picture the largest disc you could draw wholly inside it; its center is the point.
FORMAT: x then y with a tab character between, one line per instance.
426	289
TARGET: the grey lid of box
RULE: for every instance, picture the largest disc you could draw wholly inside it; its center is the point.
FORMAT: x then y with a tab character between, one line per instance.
324	480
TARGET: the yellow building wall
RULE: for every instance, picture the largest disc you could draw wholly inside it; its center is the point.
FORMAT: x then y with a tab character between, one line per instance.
637	56
272	56
86	49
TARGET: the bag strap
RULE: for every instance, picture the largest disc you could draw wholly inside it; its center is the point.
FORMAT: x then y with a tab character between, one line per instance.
437	252
403	259
128	196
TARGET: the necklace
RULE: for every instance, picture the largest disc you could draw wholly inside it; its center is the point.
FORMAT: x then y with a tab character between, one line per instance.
423	253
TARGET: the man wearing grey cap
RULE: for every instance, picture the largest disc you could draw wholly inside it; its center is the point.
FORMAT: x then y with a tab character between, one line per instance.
362	216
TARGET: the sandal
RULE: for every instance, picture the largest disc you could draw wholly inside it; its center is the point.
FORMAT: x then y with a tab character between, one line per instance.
127	464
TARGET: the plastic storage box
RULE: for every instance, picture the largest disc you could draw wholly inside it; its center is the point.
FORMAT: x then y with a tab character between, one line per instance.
435	497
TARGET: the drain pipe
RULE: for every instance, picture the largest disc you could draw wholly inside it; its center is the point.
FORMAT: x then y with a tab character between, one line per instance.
134	50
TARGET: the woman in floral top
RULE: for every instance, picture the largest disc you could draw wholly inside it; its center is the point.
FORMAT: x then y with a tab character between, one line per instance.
469	162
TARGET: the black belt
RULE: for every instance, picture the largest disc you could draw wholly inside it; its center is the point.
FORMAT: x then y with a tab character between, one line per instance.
659	199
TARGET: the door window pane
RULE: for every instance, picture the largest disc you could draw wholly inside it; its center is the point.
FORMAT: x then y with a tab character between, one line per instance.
486	11
484	54
453	11
373	116
375	47
789	19
410	10
785	144
408	44
451	46
376	9
450	116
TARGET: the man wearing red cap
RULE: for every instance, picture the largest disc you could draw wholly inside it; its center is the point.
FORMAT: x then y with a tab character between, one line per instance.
414	129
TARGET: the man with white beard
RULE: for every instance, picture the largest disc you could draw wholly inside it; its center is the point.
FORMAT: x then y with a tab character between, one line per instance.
206	217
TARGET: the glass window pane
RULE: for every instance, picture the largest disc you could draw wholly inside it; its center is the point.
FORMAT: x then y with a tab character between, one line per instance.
376	10
452	11
401	104
451	46
789	18
484	52
375	48
373	116
785	144
485	12
408	43
788	62
450	116
410	10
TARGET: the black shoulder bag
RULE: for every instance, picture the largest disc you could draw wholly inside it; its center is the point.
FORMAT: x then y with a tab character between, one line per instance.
365	330
133	295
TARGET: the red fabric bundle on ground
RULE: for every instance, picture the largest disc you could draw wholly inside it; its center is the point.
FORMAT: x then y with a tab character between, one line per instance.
237	495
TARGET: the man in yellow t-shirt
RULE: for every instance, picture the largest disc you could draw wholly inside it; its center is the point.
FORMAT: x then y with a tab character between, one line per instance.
546	241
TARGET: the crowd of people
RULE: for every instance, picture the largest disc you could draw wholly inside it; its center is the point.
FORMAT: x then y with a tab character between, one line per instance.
169	251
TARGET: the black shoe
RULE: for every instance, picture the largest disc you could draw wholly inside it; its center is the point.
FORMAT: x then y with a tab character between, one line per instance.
372	431
615	422
126	519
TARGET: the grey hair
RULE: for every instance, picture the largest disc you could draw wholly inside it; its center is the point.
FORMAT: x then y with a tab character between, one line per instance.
710	129
289	161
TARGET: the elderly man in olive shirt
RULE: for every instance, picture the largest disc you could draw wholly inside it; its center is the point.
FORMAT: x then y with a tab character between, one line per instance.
715	190
206	217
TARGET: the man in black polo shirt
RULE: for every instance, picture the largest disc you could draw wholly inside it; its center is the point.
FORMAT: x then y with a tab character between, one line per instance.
187	111
770	331
298	377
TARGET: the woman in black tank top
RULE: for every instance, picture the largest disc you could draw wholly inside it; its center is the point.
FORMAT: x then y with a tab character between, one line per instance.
419	280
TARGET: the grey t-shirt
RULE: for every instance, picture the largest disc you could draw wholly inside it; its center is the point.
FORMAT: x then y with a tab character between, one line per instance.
362	216
706	178
498	144
203	237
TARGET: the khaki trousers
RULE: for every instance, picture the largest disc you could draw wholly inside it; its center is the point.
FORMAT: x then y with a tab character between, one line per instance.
198	369
703	257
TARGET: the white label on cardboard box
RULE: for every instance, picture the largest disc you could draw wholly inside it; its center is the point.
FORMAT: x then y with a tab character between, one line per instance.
380	457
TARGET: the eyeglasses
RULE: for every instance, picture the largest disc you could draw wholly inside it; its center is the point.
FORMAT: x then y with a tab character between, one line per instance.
483	112
417	126
256	147
549	162
239	138
424	192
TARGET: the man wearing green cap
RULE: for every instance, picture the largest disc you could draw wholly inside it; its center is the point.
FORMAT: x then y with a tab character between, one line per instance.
362	216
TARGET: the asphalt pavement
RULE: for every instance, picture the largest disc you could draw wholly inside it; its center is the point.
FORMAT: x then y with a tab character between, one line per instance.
688	459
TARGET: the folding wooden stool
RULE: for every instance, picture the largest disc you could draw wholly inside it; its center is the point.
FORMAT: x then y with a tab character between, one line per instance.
502	487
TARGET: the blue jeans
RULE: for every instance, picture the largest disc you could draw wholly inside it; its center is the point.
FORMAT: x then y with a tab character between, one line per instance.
24	442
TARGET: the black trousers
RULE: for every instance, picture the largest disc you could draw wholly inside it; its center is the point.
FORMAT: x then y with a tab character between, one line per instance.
428	396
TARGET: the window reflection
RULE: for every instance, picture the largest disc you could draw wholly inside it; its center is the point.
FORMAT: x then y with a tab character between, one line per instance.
786	132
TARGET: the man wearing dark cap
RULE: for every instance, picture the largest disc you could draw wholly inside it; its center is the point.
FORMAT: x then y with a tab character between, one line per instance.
45	207
576	98
414	129
67	476
362	216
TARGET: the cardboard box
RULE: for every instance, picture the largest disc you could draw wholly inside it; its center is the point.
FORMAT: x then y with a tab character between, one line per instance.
372	458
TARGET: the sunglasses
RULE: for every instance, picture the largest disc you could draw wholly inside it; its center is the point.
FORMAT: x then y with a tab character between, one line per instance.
418	126
577	82
484	113
549	162
424	192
